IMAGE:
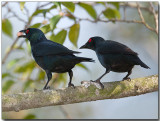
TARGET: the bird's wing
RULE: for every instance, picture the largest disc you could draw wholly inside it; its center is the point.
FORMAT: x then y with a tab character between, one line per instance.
50	48
113	47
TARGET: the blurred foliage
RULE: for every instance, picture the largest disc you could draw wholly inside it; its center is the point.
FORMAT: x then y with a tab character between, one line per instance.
22	69
91	11
7	27
30	116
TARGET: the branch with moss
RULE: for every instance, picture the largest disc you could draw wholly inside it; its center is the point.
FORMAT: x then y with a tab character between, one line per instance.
84	93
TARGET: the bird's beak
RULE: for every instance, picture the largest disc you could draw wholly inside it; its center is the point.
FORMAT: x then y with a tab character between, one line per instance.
22	33
83	47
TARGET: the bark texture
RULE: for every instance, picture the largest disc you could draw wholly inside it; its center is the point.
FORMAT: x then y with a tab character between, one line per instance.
84	93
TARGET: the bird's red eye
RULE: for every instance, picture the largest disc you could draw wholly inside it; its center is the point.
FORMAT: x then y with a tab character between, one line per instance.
27	31
90	40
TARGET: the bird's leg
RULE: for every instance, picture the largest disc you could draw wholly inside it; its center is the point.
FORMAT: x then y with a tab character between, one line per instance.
126	77
98	80
70	81
49	75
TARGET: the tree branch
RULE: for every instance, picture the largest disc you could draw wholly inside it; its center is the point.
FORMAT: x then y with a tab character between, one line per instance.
84	93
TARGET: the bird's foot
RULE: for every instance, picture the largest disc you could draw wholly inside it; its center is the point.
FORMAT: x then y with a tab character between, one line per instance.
71	85
126	78
46	88
98	84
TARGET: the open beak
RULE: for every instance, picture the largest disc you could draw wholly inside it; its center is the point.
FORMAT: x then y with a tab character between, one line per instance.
83	47
22	33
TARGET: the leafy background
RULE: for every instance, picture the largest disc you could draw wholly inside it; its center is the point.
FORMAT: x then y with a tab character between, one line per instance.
72	24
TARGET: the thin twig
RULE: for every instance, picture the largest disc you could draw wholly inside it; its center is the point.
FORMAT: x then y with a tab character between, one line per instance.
65	113
15	15
143	20
11	48
129	5
4	4
155	17
41	6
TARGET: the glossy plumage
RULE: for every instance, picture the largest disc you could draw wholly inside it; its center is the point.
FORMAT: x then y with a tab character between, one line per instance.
114	56
52	56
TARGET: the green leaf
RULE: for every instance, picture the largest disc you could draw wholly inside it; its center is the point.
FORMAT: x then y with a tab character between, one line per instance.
69	5
74	33
22	5
116	4
30	116
4	75
70	16
43	11
41	75
13	62
29	66
45	29
7	27
58	4
111	13
53	21
89	9
103	3
82	66
60	37
37	25
7	85
27	84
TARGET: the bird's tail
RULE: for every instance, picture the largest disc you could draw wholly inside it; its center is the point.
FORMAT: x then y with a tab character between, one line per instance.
83	59
144	65
139	62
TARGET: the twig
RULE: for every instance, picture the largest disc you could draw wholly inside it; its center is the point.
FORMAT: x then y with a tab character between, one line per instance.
15	15
155	17
129	5
143	20
41	6
84	93
11	48
65	113
4	4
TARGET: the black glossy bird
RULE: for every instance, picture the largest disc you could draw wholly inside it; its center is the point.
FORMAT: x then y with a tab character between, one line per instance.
51	56
114	56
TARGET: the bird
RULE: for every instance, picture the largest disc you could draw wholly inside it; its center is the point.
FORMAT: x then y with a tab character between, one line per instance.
51	56
113	56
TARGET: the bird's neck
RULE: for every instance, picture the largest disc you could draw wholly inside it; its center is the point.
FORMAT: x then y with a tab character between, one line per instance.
37	39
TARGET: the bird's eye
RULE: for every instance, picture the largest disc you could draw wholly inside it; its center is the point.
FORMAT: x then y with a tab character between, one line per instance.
27	31
90	40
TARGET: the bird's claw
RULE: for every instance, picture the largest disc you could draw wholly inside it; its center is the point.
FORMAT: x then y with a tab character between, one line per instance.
46	88
97	84
128	79
71	85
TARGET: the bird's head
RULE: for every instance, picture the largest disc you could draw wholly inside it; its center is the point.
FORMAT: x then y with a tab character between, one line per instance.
92	43
32	34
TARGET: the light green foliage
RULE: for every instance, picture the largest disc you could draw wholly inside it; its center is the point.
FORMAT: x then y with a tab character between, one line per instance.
58	4
89	9
37	25
116	4
60	37
22	5
82	66
7	85
69	5
46	28
111	13
53	21
30	116
74	34
7	27
27	84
